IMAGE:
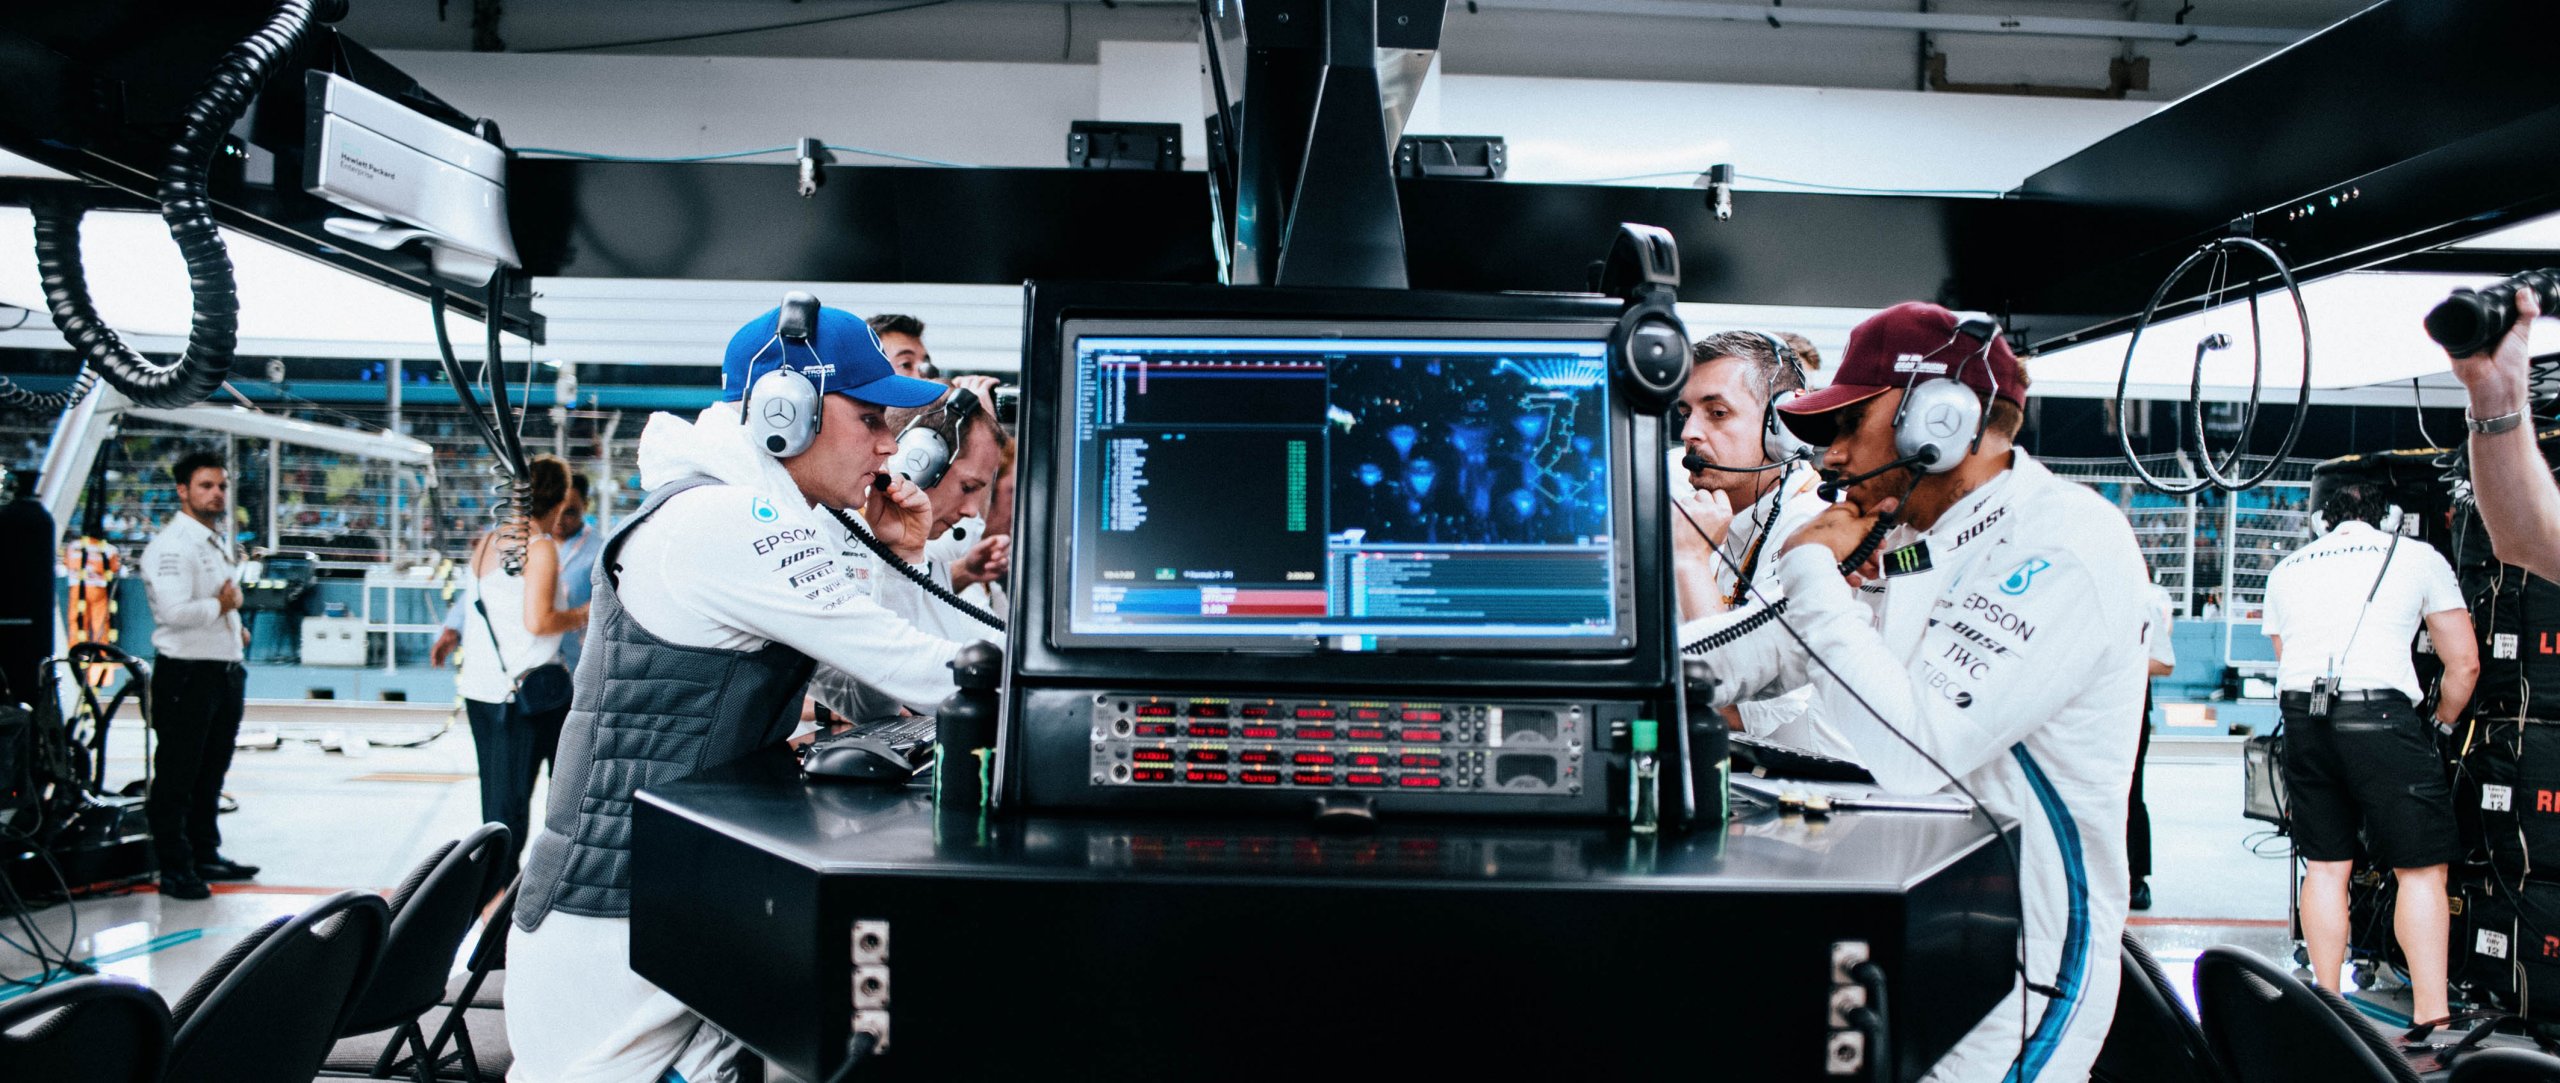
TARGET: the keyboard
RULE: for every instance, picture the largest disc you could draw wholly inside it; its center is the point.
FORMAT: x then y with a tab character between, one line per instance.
911	735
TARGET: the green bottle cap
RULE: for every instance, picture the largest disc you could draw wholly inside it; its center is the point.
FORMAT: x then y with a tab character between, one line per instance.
1648	735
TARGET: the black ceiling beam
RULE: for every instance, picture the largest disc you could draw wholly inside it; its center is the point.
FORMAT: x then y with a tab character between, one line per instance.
1006	226
2430	121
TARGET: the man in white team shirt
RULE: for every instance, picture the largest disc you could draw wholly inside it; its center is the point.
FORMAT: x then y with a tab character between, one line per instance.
1751	485
2342	611
1997	637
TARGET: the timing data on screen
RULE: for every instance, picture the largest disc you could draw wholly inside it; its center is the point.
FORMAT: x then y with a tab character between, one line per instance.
1352	489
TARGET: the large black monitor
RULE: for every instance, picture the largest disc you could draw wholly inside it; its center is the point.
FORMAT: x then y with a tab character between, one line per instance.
1322	485
1400	548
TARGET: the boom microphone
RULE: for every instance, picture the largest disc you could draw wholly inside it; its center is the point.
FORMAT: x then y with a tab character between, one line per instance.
1830	490
1694	463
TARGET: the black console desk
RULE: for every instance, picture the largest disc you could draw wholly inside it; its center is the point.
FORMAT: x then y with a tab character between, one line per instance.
1058	947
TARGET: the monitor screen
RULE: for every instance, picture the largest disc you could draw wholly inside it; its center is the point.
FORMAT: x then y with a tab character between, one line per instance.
1348	487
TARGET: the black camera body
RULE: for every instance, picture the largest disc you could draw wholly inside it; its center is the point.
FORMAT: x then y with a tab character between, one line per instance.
2471	320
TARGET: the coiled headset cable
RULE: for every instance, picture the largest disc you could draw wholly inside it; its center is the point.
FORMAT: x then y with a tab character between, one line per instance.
881	549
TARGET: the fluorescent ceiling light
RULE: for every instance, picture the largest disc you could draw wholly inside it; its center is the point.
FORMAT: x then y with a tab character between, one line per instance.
2365	331
289	304
2531	234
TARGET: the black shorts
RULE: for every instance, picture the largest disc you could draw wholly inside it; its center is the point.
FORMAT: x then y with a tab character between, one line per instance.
2372	764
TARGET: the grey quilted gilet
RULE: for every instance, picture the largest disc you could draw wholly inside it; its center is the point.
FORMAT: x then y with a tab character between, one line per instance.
646	712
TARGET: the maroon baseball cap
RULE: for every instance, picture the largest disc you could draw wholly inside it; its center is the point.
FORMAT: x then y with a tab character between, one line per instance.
1911	341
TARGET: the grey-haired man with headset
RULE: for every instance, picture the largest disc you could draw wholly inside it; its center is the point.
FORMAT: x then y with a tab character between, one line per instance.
1751	485
713	603
1994	635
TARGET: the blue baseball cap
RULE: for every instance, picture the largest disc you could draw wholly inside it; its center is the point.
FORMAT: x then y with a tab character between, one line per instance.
843	357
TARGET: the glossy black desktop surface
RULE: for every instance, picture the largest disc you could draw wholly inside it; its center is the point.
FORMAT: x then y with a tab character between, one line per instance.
1083	946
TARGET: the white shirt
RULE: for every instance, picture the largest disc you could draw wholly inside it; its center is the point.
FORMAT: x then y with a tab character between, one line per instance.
1785	717
738	565
184	569
2164	646
490	667
2315	596
2015	660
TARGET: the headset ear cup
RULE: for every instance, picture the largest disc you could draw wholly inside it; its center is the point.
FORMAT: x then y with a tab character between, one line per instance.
1939	419
1777	441
1652	350
783	411
923	456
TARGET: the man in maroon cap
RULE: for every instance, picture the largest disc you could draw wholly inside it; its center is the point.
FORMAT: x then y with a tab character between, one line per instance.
1996	638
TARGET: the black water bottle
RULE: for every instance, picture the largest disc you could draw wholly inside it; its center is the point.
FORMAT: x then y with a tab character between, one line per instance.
965	729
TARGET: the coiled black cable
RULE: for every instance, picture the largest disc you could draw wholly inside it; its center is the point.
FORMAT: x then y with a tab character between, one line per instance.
188	210
2218	250
16	399
898	563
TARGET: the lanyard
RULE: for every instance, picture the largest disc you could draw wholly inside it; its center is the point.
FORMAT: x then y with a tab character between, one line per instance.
1778	495
2369	596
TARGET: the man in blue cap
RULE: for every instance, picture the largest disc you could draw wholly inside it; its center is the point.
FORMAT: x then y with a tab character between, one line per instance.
713	603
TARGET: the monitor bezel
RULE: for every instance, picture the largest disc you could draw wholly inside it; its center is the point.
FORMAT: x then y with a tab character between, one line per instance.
1033	657
1617	638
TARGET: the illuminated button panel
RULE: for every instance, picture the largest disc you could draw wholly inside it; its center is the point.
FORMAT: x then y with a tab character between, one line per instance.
1377	746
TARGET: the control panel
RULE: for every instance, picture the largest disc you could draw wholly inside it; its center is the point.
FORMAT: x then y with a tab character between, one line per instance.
1201	743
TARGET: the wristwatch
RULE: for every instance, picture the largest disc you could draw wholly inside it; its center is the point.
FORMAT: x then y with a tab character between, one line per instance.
2495	425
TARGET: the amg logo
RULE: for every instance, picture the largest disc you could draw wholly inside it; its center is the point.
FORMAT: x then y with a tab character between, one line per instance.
813	575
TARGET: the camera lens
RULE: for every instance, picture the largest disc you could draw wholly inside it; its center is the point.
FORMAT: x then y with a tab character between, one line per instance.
2470	319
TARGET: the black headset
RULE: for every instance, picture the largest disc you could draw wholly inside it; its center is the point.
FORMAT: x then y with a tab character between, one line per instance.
1651	345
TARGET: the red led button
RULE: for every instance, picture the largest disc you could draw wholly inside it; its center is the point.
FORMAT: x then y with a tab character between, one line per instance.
1154	729
1151	755
1368	714
1204	774
1319	759
1426	735
1152	774
1254	712
1365	733
1261	778
1417	759
1420	782
1313	778
1365	778
1207	729
1257	755
1421	714
1315	733
1261	733
1155	710
1208	755
1208	710
1367	759
1315	712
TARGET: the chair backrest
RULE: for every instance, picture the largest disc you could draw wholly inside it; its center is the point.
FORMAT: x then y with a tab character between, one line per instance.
430	914
2153	1039
92	1030
2267	1027
270	1009
2506	1066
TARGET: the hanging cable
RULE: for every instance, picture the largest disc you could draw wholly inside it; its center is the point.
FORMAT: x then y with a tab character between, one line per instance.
188	210
2213	470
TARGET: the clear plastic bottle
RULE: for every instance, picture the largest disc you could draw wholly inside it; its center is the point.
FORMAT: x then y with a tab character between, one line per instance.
1644	779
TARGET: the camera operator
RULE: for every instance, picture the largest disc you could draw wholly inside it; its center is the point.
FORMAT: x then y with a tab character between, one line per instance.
2342	611
2509	476
2005	649
1749	489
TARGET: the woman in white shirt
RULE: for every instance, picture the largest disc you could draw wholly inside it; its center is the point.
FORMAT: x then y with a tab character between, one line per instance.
514	627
